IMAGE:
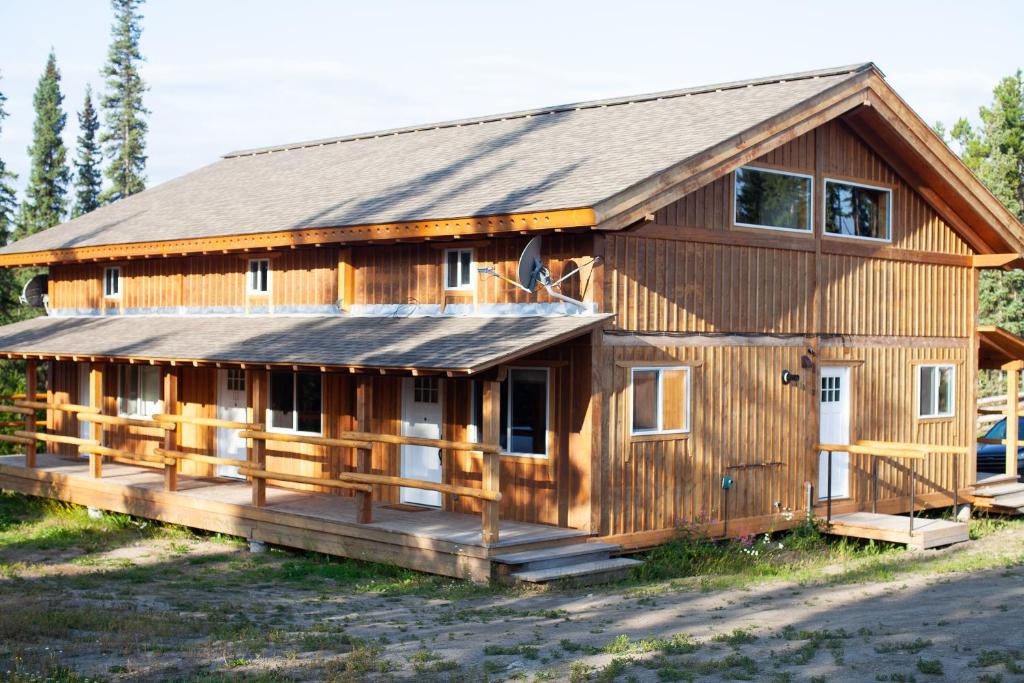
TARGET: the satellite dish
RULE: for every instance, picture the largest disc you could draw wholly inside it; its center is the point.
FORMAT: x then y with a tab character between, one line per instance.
36	291
531	273
531	268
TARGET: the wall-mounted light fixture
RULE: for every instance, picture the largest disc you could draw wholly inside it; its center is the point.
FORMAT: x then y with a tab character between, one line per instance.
790	377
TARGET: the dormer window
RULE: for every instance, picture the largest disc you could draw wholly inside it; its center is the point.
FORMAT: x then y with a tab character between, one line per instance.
458	269
855	210
259	276
112	283
779	200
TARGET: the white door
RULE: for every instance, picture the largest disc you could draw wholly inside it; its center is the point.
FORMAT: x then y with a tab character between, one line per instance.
83	399
834	412
231	405
421	416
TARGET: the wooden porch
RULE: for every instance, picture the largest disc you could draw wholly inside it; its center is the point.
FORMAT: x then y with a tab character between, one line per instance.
447	543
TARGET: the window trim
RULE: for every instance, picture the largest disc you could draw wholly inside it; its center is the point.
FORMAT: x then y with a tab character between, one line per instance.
472	271
809	230
120	383
114	269
248	277
937	365
660	369
853	183
547	414
295	402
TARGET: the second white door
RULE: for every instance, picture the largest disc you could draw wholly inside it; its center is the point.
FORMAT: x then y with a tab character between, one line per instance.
421	416
834	414
231	405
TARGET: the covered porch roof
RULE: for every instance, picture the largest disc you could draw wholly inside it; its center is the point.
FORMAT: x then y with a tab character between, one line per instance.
998	347
444	344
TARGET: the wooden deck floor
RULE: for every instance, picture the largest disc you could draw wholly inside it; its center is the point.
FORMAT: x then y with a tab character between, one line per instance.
442	542
928	533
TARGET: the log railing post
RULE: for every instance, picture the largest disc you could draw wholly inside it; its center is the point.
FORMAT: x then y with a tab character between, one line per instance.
258	386
491	476
170	442
96	380
1012	411
364	410
30	418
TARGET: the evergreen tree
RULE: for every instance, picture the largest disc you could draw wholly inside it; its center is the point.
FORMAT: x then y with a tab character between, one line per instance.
124	138
88	179
8	199
46	195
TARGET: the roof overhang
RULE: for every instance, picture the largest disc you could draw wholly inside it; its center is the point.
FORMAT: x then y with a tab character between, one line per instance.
999	348
451	345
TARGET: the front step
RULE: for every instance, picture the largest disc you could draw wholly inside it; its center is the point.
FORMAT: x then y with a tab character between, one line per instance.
997	490
586	562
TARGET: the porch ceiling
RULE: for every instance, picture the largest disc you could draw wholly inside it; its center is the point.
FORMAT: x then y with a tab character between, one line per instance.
998	347
462	345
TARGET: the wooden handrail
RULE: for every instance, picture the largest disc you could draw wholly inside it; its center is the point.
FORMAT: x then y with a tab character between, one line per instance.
198	457
991	442
388	480
21	397
65	407
117	420
302	438
120	455
874	451
7	438
423	441
207	422
17	410
300	479
923	447
55	438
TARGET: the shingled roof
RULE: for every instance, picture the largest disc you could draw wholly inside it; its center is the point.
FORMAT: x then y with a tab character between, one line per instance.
564	157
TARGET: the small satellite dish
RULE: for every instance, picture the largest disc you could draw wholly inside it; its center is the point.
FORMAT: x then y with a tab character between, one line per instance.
532	273
35	293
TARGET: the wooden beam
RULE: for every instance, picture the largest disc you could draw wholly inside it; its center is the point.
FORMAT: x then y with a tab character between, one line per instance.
1012	387
346	280
491	475
364	456
257	383
31	380
96	380
170	442
994	260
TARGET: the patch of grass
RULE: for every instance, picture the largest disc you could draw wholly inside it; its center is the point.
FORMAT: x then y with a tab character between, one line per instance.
732	667
911	647
425	661
931	667
739	636
527	651
1008	658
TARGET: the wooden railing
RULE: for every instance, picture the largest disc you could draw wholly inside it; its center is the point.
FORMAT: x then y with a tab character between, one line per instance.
895	450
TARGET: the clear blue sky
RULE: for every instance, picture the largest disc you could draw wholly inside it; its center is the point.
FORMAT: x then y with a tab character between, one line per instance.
233	74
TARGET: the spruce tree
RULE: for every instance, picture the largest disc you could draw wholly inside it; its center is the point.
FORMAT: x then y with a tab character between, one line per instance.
46	195
88	178
8	198
124	137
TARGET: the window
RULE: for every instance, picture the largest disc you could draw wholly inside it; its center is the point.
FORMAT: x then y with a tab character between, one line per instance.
295	402
831	389
935	387
458	268
112	283
854	210
524	412
259	276
661	400
236	379
772	199
138	390
425	390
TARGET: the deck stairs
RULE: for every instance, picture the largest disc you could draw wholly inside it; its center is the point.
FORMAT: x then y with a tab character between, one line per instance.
927	533
1001	493
581	563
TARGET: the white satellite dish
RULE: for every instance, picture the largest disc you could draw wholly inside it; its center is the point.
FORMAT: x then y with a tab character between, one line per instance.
532	273
35	293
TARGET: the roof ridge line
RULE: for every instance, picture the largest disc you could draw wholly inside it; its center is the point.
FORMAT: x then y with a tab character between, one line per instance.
575	106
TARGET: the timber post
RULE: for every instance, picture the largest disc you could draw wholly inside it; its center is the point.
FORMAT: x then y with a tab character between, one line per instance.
96	381
258	385
31	378
170	441
364	407
491	476
1012	412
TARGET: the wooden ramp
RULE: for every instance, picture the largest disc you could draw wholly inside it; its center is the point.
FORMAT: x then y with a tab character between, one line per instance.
1000	493
928	533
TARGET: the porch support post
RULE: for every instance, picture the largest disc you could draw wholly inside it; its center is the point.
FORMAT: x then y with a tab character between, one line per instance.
170	436
258	383
364	414
491	479
1012	389
30	418
96	381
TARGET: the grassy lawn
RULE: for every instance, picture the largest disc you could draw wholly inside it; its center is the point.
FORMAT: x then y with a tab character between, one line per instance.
120	598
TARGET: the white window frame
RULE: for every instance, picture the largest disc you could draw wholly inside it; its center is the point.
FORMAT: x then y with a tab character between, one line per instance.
249	276
106	271
547	414
472	270
295	404
809	230
120	399
888	211
936	368
660	369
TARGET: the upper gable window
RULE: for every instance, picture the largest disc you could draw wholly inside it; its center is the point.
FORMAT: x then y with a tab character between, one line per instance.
855	210
458	268
112	283
773	199
259	276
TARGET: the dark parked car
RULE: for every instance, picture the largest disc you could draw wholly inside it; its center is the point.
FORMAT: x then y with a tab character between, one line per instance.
992	457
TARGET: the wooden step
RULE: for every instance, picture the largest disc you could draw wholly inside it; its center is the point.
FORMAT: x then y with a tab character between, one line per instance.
1014	500
928	533
992	480
597	571
997	490
557	556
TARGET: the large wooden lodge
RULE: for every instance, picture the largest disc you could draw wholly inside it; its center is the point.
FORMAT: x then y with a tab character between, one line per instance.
309	345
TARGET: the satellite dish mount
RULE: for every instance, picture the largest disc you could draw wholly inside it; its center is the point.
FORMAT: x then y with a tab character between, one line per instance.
532	274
